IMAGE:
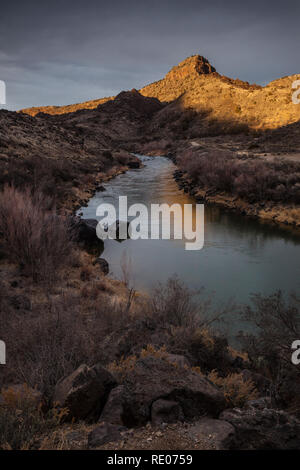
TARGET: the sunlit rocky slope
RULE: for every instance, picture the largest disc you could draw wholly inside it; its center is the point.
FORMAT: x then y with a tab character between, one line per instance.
195	84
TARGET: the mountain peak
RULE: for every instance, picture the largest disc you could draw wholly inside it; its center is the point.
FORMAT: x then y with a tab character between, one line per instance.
195	64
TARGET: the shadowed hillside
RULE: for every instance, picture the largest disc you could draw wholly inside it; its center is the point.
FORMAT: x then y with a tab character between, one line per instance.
63	154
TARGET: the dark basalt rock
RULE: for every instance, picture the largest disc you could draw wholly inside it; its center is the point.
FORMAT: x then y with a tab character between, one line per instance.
166	411
84	392
157	378
85	232
133	164
259	428
104	433
103	264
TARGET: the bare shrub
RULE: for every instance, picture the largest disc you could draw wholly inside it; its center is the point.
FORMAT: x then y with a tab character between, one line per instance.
156	146
86	273
53	177
277	325
236	389
34	236
173	304
253	180
121	368
184	321
61	334
22	421
126	269
48	345
202	347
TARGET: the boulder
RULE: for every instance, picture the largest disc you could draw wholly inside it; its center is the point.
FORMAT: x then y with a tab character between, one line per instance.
85	230
117	227
104	433
180	361
259	403
113	409
133	164
261	382
259	429
100	188
155	378
221	433
84	392
103	264
165	411
121	225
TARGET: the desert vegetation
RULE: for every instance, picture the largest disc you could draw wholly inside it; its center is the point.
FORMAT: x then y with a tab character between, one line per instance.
22	418
277	324
32	234
255	180
64	331
70	319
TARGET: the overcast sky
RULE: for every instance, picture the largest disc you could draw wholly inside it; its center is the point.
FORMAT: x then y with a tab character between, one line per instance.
68	51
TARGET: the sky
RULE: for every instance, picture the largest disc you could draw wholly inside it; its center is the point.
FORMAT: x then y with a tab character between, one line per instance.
62	52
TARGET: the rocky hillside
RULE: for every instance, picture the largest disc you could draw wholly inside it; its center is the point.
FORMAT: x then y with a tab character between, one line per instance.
70	108
196	85
119	120
66	154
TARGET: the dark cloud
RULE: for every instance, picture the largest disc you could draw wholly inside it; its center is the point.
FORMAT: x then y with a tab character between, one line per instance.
66	51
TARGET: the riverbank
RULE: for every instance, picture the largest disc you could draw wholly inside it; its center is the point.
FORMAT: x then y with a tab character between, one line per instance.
279	214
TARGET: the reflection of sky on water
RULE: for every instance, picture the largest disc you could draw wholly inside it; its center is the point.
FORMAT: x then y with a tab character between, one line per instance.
240	255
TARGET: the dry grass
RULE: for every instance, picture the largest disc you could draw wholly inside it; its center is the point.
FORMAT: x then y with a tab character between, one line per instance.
173	303
236	389
277	323
254	181
125	365
33	235
22	420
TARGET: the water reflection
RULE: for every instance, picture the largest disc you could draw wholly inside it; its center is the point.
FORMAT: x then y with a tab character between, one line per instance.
240	255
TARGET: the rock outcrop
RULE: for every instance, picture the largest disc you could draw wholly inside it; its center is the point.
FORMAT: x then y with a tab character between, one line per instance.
194	65
84	392
258	429
165	411
103	264
113	410
104	433
220	432
154	378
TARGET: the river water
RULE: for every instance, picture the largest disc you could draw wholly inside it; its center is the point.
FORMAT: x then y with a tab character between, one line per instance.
240	255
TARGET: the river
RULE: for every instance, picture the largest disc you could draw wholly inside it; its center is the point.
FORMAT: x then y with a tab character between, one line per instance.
240	255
